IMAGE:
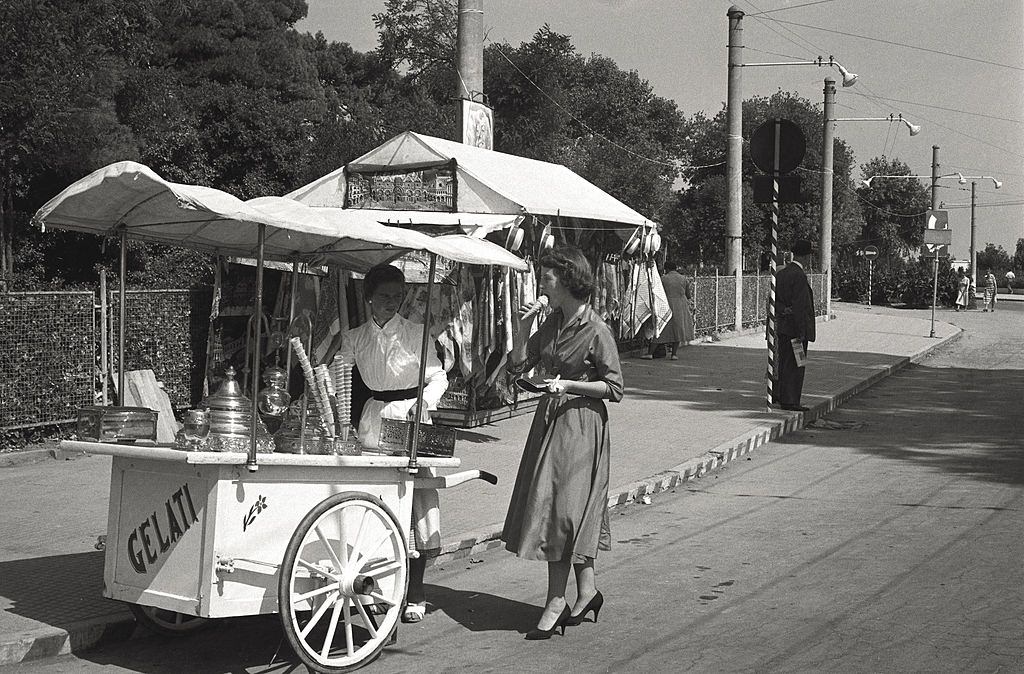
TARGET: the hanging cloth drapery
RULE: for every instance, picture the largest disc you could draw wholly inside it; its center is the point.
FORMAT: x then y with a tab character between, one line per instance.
464	321
646	299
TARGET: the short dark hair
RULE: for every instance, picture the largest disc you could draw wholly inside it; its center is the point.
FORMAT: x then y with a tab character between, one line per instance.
379	275
670	265
572	269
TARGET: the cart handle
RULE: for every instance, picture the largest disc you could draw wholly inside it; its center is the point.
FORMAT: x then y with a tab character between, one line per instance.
454	480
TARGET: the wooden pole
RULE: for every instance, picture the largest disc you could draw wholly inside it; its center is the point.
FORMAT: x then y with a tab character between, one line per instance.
424	345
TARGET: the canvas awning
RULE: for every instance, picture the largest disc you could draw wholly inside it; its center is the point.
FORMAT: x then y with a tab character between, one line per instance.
488	182
131	198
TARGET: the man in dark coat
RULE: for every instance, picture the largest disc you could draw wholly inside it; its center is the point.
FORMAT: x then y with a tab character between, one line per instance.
794	302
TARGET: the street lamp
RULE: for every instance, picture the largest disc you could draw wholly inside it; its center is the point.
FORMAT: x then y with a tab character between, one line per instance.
961	178
849	79
827	176
914	128
734	147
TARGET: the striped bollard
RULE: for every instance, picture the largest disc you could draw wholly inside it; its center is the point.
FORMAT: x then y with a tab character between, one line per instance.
770	318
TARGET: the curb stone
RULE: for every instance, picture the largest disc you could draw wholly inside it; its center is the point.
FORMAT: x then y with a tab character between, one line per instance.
48	642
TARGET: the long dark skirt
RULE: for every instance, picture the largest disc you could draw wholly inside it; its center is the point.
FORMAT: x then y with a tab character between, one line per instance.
559	506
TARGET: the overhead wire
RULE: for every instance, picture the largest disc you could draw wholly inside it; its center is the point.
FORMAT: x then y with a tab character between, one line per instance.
896	44
854	192
872	97
674	165
785	9
962	112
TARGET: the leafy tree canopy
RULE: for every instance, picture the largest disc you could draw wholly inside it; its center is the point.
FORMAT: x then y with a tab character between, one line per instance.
705	144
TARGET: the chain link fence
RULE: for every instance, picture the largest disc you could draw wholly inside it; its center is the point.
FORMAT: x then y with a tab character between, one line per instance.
715	301
51	344
50	341
166	332
47	356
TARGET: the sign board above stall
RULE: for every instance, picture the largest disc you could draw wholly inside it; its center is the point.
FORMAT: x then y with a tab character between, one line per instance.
427	189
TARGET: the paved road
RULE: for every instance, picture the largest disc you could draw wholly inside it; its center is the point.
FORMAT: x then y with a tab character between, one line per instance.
885	538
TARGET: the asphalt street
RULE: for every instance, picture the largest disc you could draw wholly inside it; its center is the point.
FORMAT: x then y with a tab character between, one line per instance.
885	537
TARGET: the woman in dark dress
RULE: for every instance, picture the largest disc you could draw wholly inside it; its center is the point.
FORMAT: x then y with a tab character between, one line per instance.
559	507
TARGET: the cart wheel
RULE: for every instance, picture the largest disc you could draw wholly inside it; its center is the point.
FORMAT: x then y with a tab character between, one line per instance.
346	554
167	623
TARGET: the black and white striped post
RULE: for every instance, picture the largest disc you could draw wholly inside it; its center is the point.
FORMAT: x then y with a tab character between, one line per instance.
776	147
773	345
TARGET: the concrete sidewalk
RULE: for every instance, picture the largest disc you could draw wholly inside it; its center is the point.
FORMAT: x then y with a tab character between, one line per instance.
679	420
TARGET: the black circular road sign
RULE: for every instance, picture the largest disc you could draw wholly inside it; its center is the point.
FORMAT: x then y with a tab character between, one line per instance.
791	143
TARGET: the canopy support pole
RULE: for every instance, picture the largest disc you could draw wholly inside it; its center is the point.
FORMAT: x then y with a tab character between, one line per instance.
256	352
291	313
122	314
424	345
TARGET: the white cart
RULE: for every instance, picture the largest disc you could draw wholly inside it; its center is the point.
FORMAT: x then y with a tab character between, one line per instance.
322	540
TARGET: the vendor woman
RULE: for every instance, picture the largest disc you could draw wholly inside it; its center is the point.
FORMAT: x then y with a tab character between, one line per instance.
386	351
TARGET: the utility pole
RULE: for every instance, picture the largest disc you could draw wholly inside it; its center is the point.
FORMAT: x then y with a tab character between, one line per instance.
935	206
827	171
974	251
734	160
470	59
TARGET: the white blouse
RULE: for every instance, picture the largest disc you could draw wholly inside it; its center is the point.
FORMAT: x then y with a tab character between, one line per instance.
388	359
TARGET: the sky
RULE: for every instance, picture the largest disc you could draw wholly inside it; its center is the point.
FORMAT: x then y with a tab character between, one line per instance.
954	67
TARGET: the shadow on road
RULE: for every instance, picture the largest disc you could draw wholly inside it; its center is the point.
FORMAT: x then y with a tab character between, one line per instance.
482	612
956	420
38	589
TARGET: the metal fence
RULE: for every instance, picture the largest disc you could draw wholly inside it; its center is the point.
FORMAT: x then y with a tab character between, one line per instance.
47	356
50	342
715	301
51	349
166	332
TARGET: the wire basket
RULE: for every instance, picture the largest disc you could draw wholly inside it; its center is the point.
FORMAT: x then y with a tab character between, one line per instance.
436	441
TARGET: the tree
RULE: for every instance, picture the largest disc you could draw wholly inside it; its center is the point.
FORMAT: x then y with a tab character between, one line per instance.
705	145
61	63
894	209
550	102
1018	258
996	259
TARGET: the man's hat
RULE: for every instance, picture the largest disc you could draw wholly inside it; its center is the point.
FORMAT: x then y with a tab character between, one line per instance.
801	247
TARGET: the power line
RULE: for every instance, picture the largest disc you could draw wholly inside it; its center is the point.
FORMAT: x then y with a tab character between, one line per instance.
673	165
772	28
996	205
962	112
897	44
863	200
970	169
1001	148
784	9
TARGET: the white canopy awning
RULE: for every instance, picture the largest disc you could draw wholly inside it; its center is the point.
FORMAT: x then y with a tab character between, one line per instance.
487	182
130	197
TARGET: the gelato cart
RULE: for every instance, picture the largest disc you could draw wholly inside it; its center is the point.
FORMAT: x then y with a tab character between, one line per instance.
321	539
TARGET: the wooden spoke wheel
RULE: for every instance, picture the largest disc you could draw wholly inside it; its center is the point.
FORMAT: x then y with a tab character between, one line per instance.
167	623
342	583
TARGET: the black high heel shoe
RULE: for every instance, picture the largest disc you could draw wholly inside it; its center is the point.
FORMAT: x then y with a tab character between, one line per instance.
537	634
594	605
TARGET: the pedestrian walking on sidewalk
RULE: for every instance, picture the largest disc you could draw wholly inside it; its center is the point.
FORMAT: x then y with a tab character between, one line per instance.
679	331
990	291
558	512
794	300
1010	277
963	290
